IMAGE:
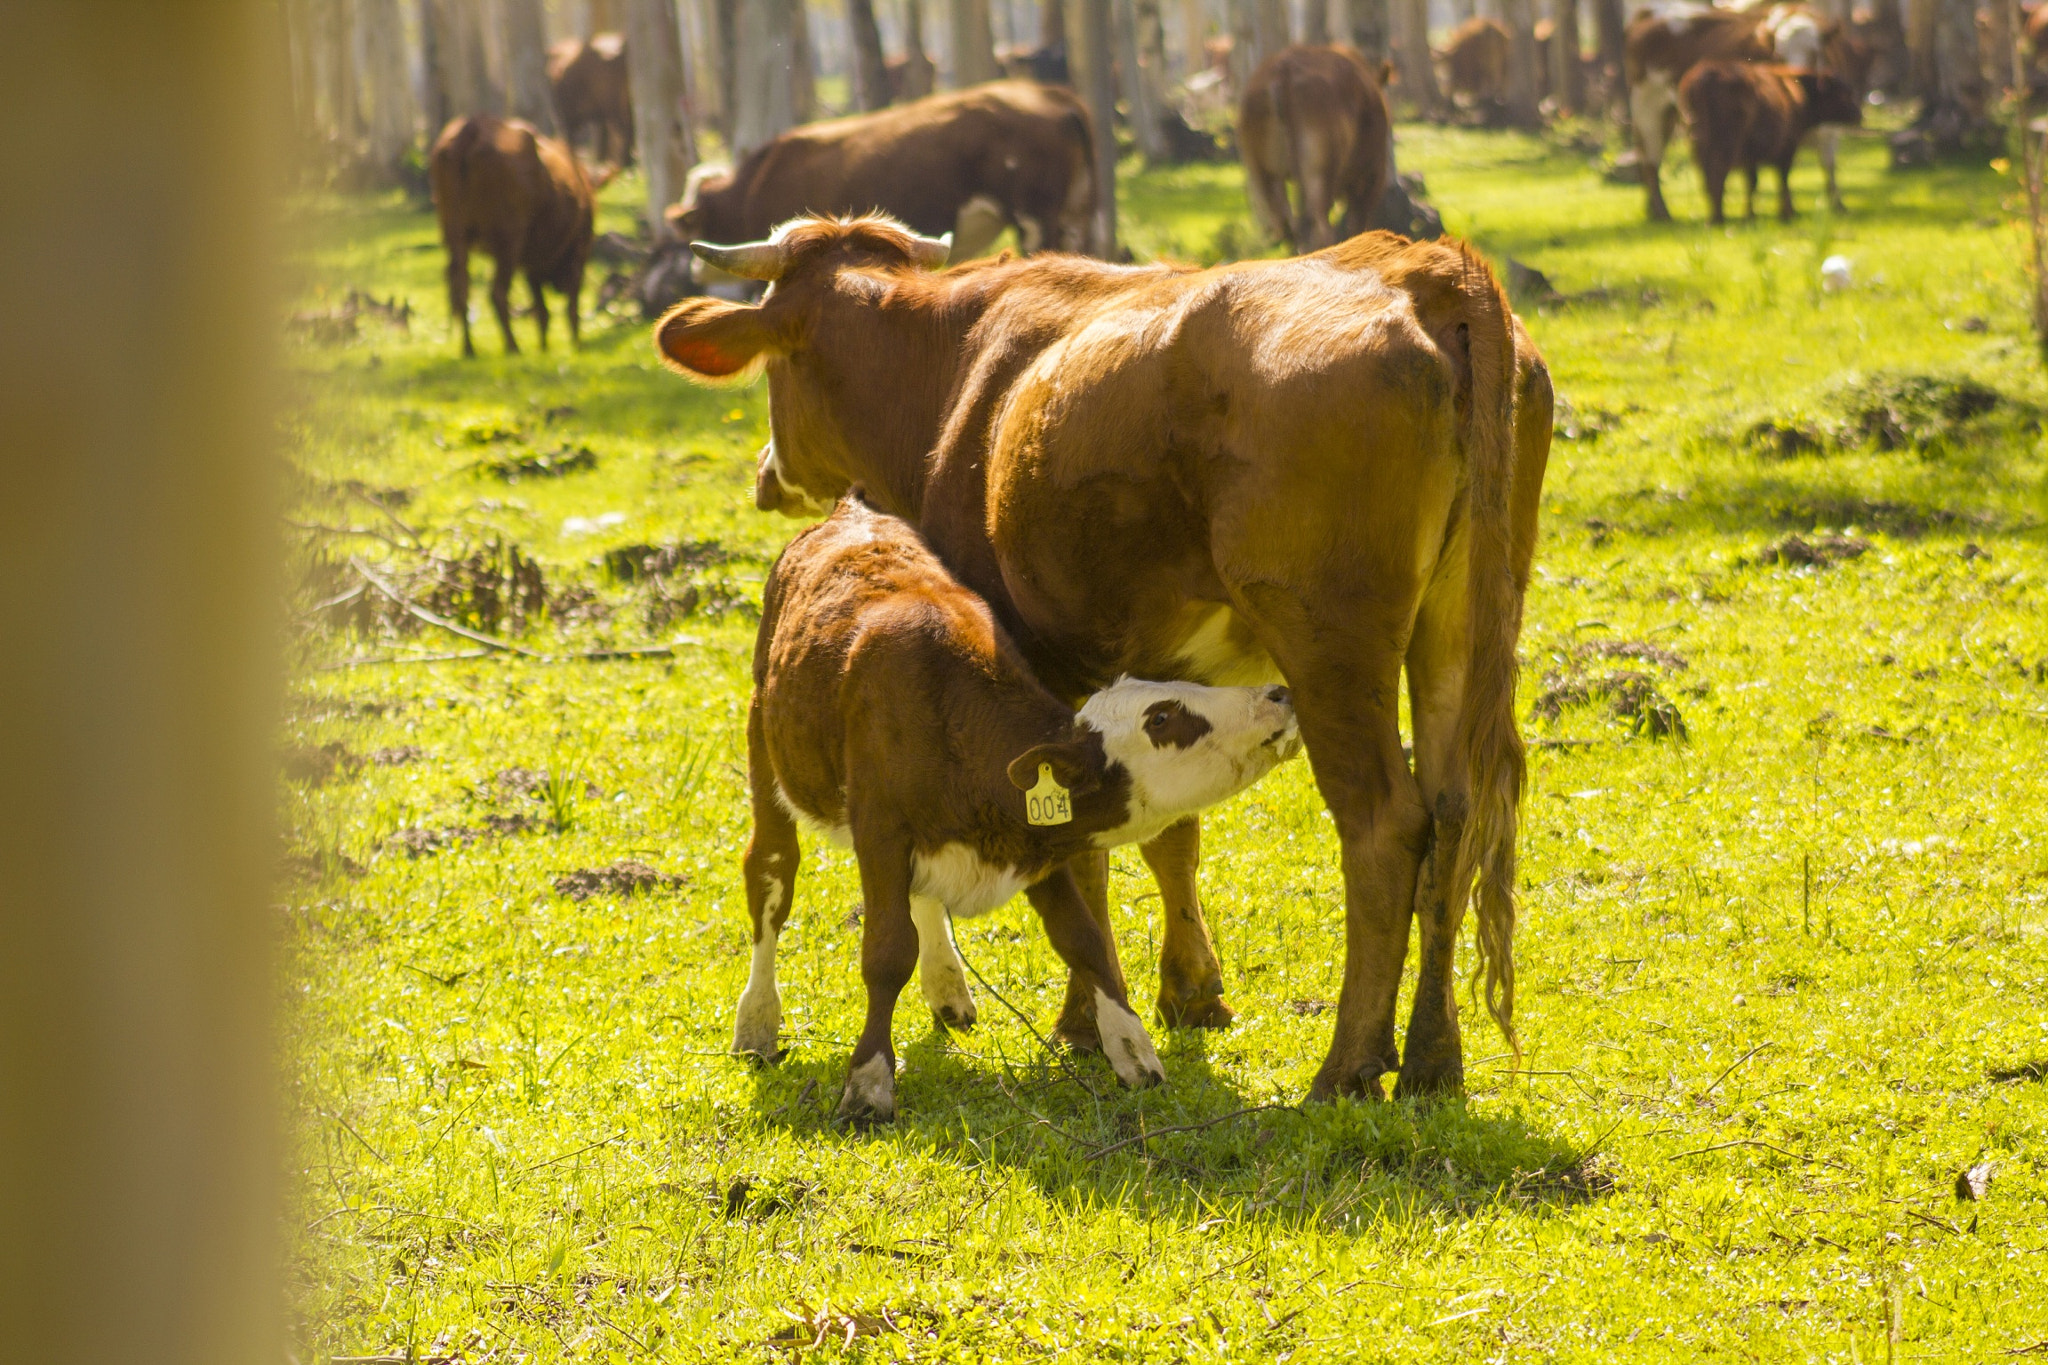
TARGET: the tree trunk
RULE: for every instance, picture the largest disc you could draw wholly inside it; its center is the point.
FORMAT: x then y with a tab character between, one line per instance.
525	33
920	76
1888	34
1367	29
1269	21
344	107
1140	58
1052	25
764	73
870	68
1519	16
1418	73
464	77
1955	108
1315	23
661	135
381	38
725	24
1194	22
1244	44
1996	51
1089	45
972	49
434	99
803	74
1920	77
600	16
1612	22
1567	72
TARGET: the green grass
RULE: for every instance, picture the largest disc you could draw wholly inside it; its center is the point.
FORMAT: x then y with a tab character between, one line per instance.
1780	984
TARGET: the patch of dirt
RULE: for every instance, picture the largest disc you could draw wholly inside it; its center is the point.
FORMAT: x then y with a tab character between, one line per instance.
2025	1071
579	604
1577	424
1640	650
1783	439
333	326
418	841
632	563
315	766
1823	551
1308	1008
397	756
563	459
1892	410
492	587
713	599
314	867
1893	518
1631	694
533	782
627	878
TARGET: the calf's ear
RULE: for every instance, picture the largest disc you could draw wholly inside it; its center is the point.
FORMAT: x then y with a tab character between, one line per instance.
1075	766
713	339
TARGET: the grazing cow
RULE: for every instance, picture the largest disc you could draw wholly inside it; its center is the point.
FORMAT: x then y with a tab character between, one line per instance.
592	94
891	713
1746	114
522	199
970	162
1476	61
1315	117
1321	471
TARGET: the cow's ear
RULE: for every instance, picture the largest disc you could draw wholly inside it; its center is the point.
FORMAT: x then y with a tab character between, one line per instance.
1075	766
713	339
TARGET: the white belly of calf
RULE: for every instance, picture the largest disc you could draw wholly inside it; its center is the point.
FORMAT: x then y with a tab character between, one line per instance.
958	878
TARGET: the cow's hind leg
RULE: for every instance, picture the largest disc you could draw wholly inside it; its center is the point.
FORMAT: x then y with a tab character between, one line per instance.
888	955
1190	977
1714	179
1749	192
458	293
770	868
540	307
505	265
940	972
1785	209
1828	141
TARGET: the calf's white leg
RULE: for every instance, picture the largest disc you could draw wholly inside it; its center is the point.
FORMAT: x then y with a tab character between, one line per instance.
941	975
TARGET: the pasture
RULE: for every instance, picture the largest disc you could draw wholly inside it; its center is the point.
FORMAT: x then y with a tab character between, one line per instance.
1784	948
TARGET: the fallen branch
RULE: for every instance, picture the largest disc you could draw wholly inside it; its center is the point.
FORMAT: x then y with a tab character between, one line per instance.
1769	1147
418	612
326	530
1101	1152
402	659
1731	1068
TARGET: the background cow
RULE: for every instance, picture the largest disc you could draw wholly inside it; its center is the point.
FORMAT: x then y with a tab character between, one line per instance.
522	199
1475	59
891	711
1324	470
1314	117
1743	114
592	94
972	162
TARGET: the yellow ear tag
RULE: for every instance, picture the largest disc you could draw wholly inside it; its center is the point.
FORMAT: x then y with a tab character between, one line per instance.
1048	803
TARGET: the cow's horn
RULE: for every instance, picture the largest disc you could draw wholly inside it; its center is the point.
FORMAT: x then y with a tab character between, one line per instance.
932	253
751	261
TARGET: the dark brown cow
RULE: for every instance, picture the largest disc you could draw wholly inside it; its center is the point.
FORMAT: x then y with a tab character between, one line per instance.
1476	61
1660	48
1323	470
891	713
592	94
1745	114
970	162
1315	117
523	200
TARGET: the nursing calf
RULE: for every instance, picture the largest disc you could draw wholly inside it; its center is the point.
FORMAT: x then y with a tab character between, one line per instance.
892	713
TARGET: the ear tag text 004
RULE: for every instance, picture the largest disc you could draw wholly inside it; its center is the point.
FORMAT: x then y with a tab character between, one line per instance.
1048	803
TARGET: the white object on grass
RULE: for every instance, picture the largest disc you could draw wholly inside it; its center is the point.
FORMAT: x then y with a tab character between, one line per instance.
583	526
1834	274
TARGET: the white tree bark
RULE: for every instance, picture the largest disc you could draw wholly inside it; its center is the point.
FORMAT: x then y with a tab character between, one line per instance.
1520	17
525	36
661	135
380	38
972	46
1418	72
1141	57
1089	48
764	73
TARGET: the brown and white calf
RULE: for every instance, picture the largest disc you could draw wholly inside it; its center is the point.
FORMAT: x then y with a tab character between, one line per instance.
893	714
1743	114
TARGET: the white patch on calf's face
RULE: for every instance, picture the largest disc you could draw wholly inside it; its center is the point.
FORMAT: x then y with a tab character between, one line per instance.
1126	1044
1186	746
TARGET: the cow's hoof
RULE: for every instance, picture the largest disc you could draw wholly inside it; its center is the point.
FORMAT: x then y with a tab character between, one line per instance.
870	1094
1203	1011
1426	1081
1080	1034
953	1018
1126	1045
1360	1085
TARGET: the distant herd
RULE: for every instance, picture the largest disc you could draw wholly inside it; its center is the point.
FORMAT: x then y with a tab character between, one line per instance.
1274	491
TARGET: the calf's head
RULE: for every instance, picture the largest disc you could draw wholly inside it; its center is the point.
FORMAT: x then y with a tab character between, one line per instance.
1178	748
821	273
1830	99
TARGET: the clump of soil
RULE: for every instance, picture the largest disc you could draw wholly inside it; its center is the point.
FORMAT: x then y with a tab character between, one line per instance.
666	601
1823	551
397	756
419	841
627	878
493	587
1632	694
315	766
563	459
634	563
1891	411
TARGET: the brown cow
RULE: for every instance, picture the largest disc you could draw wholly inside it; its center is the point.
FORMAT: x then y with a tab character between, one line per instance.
1321	470
970	162
1742	114
522	199
1476	61
592	93
1314	116
891	713
1660	48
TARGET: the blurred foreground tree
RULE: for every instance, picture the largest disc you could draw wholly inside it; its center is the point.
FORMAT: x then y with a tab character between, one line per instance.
870	67
661	133
765	88
524	31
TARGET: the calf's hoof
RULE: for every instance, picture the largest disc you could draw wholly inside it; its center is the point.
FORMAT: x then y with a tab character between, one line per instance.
870	1094
1076	1027
1425	1081
1363	1084
1126	1045
1204	1009
755	1033
953	1018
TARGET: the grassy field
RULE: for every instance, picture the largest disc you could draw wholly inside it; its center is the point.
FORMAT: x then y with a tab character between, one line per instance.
1782	979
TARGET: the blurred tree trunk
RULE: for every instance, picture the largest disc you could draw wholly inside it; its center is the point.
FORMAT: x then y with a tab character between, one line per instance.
1954	108
1920	77
1995	51
870	67
1194	20
1269	19
297	24
764	73
1567	71
1244	44
1315	23
1141	57
140	1091
725	25
461	70
661	135
433	83
1888	34
381	39
1418	73
1610	22
803	80
1052	25
338	73
973	44
1089	48
1520	17
920	75
600	16
526	62
1366	28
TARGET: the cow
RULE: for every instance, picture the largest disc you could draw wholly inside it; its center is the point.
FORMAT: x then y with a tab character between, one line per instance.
892	714
1659	48
1476	62
970	162
523	200
1320	471
1743	114
592	94
1315	117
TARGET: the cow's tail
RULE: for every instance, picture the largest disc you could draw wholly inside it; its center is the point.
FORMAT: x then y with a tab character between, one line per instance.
1488	740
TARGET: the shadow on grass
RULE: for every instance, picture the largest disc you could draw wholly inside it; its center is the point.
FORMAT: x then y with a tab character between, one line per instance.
1196	1148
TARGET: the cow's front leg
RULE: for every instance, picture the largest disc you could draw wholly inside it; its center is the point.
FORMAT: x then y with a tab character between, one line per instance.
1077	1025
888	955
1090	956
1190	977
940	972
